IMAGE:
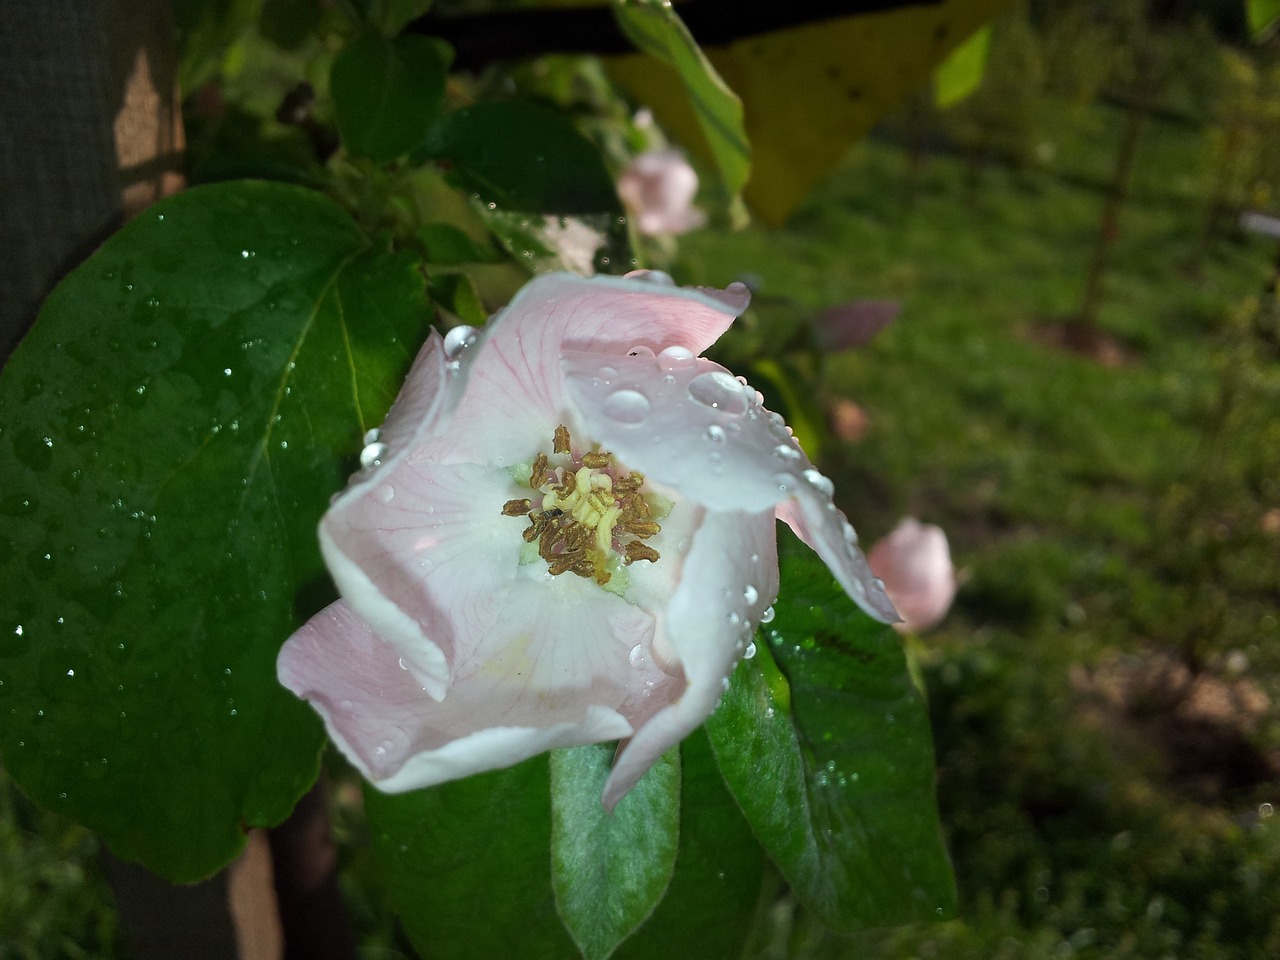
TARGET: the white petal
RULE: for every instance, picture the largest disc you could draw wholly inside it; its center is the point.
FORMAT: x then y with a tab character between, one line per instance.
730	578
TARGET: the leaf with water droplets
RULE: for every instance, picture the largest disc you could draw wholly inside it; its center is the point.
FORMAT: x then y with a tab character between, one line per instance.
164	538
824	740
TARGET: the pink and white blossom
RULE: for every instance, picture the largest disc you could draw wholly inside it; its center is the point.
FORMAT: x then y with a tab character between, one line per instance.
914	561
658	188
564	533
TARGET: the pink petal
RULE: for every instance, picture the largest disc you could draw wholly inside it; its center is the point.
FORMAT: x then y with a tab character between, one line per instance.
515	388
730	578
422	553
421	402
550	674
692	426
914	561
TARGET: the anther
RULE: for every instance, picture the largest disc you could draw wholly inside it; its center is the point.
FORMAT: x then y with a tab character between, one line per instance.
516	508
560	442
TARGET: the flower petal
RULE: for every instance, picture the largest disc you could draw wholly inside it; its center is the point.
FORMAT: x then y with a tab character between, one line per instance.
539	682
731	577
421	402
515	387
914	562
422	554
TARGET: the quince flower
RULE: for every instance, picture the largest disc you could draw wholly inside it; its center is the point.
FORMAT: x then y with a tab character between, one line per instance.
914	561
563	534
658	188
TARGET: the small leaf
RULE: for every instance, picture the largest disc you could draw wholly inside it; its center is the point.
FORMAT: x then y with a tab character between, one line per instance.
170	432
961	73
657	30
468	867
609	870
840	790
521	156
447	245
456	293
712	898
386	92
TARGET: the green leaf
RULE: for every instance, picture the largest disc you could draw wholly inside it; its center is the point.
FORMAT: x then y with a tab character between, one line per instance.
840	788
456	293
468	866
447	245
386	93
712	898
656	29
609	870
961	73
522	156
170	432
1262	15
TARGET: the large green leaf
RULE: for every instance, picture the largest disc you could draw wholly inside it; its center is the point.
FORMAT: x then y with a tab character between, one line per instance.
712	899
523	156
468	865
831	760
609	870
386	92
170	432
656	29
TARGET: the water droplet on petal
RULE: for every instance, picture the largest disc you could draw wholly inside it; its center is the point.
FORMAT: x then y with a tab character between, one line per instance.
386	493
651	276
626	406
750	652
640	350
750	594
372	436
718	390
677	358
768	615
785	451
785	482
458	339
636	657
715	433
820	482
372	455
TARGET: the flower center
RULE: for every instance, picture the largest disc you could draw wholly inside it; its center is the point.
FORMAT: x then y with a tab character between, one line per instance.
586	512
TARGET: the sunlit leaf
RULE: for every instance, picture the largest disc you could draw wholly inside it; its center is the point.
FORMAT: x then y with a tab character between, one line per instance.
810	92
170	432
677	68
1262	15
961	73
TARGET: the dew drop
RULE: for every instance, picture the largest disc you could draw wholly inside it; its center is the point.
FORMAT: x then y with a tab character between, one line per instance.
768	615
785	451
820	482
651	276
715	433
750	652
626	406
785	482
372	454
386	493
346	705
677	358
372	436
718	390
637	655
640	350
750	594
459	339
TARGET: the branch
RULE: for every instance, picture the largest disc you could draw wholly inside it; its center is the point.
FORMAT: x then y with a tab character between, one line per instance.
479	39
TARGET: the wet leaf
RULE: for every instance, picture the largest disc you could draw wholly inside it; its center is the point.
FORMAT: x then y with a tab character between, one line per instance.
838	784
170	432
